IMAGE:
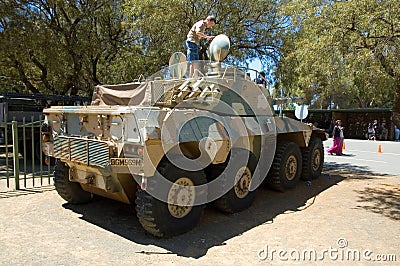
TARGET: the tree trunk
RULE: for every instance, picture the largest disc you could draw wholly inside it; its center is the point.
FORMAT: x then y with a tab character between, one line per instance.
396	104
23	77
94	62
43	69
360	102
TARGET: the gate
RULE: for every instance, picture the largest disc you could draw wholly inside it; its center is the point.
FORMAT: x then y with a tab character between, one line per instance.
22	162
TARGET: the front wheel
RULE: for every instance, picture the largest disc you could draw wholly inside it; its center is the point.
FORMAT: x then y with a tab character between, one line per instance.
69	191
177	214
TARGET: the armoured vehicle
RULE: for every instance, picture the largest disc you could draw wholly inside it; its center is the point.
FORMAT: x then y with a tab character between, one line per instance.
170	144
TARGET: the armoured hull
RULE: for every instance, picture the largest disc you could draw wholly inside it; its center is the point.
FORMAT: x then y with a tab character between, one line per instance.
171	144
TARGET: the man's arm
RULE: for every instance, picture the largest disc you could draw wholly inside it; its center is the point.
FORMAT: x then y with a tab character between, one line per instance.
202	35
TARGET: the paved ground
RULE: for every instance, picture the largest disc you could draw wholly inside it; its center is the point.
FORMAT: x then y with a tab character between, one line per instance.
364	155
360	209
350	212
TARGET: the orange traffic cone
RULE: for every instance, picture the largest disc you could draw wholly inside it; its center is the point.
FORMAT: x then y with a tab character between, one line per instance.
343	146
379	148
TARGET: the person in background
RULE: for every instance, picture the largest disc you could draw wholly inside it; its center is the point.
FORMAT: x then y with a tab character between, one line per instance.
193	41
384	131
338	137
377	130
370	132
396	134
331	126
261	79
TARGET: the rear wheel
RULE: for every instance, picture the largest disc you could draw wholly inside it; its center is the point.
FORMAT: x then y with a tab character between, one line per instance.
238	178
69	191
179	214
286	167
313	159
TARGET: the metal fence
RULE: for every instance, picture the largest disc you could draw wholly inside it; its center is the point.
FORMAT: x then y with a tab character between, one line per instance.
22	163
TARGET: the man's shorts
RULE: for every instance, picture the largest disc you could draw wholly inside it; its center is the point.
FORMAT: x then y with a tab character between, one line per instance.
192	51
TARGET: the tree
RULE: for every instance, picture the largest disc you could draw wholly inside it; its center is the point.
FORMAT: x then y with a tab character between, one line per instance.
58	46
66	47
253	27
341	50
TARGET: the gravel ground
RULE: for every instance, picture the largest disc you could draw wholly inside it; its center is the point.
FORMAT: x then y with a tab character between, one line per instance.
340	215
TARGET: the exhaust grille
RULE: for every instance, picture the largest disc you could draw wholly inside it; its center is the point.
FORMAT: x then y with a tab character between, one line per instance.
86	151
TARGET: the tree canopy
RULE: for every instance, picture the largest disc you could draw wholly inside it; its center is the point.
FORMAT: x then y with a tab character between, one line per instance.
335	53
57	46
343	53
254	28
67	47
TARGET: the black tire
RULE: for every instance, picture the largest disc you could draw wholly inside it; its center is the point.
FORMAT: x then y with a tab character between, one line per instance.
313	159
286	167
238	197
214	170
69	191
156	216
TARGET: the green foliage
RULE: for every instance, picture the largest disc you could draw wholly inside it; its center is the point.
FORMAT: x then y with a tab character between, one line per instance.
346	52
253	27
67	47
343	51
57	46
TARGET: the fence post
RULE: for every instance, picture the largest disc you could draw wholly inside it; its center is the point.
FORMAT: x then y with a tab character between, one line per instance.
6	140
15	153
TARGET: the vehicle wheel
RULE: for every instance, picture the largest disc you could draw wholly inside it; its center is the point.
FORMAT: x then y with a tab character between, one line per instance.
163	219
313	159
69	191
238	179
286	167
214	170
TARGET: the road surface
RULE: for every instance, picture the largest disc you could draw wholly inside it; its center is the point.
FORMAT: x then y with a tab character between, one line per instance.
364	155
350	215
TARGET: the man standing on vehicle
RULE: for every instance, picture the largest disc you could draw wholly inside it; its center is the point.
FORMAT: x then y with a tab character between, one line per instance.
261	79
193	41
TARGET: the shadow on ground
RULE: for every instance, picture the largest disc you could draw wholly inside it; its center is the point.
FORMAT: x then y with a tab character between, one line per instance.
26	191
33	176
215	228
383	200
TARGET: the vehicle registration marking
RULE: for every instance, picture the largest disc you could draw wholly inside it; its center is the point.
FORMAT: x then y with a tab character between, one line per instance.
126	161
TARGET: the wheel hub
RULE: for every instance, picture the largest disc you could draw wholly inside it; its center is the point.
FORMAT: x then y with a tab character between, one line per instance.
291	167
316	160
181	197
242	182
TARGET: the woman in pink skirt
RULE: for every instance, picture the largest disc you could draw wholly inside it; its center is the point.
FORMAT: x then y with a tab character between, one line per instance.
337	139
